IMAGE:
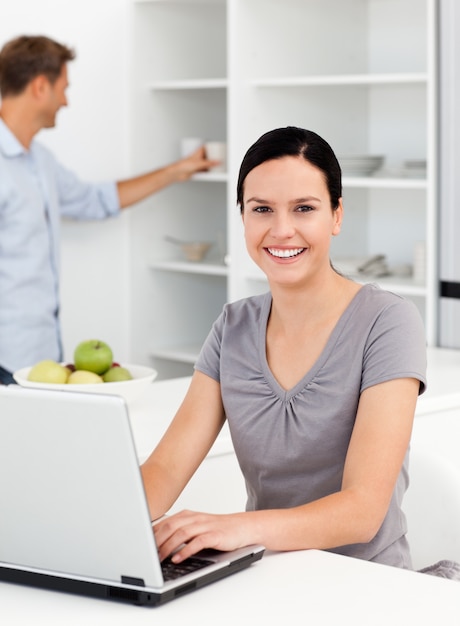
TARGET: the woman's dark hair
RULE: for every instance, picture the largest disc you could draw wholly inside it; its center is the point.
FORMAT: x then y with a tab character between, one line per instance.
26	57
292	141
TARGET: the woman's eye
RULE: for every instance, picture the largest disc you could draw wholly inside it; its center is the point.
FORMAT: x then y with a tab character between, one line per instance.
304	208
261	209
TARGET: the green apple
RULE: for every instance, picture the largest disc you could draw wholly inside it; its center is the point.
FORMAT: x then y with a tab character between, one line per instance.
48	371
93	355
83	377
116	374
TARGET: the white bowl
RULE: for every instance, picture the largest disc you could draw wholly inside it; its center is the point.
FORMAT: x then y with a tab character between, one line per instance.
195	250
130	390
192	250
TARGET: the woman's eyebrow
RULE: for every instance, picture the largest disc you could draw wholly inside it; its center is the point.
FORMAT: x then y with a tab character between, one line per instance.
295	201
259	200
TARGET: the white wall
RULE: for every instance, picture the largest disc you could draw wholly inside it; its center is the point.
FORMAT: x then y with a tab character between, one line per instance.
91	138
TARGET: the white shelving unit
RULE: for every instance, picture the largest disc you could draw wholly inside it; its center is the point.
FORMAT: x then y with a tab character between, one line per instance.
362	73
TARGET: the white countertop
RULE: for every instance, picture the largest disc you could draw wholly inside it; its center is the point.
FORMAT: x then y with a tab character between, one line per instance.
305	587
443	377
308	586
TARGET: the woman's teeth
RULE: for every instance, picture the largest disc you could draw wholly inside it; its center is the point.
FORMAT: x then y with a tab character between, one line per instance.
285	254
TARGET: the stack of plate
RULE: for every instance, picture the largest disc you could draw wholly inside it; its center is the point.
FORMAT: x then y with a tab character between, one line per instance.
363	165
414	168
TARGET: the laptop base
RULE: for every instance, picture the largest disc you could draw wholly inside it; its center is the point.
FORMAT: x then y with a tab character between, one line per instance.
127	595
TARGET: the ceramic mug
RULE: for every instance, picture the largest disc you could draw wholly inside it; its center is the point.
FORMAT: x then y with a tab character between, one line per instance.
217	151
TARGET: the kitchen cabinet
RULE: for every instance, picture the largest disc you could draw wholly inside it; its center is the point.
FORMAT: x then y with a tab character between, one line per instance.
362	73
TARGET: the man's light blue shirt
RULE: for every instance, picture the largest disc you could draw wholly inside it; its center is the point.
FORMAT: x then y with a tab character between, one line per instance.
35	192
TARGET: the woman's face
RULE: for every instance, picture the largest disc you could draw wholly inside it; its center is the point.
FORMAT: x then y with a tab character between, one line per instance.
288	220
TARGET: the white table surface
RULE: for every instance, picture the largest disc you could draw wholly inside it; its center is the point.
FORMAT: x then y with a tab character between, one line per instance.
308	586
443	376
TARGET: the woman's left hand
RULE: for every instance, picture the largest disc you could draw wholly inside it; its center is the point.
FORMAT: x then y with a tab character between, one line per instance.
188	532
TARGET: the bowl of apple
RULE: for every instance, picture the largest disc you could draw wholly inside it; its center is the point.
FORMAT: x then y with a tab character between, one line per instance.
93	370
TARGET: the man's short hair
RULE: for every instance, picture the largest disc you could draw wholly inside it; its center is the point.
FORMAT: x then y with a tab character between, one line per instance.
26	57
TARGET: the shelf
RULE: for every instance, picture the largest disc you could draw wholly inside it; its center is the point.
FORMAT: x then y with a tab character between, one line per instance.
209	269
189	84
211	177
403	286
384	183
342	79
178	1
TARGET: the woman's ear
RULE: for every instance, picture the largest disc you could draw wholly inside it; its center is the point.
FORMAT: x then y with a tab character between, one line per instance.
338	216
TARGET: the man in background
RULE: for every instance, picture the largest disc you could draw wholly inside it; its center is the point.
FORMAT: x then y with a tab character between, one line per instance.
35	191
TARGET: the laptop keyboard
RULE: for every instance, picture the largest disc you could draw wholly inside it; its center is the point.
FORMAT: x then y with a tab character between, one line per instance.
171	570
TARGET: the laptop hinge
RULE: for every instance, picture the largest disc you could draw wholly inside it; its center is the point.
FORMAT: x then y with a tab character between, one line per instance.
132	580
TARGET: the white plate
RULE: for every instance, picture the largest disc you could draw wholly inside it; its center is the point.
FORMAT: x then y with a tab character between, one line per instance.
360	165
130	390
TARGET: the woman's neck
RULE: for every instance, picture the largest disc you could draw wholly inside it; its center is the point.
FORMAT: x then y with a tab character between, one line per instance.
296	307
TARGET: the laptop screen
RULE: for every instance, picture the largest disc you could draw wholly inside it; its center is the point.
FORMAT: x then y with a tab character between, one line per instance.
70	487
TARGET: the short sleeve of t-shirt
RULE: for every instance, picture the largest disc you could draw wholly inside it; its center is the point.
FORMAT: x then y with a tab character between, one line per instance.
395	346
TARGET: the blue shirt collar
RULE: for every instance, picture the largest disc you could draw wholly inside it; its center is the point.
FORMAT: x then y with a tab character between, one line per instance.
9	144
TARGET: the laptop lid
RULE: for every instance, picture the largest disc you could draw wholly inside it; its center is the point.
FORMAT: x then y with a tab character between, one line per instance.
74	513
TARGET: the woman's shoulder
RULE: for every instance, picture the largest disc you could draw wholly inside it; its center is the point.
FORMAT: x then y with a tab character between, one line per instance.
247	308
387	313
381	311
375	297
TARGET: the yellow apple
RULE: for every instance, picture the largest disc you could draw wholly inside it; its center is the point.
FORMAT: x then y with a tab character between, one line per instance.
83	377
48	371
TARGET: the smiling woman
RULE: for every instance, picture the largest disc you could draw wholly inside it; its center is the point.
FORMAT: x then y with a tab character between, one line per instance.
288	217
318	379
292	178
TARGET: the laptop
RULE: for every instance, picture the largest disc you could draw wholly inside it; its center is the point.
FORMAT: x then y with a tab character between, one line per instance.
74	515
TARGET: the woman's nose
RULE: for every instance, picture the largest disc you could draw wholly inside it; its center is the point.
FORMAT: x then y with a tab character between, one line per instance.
283	226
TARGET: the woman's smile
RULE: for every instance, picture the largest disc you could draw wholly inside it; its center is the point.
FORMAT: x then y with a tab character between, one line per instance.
289	219
285	253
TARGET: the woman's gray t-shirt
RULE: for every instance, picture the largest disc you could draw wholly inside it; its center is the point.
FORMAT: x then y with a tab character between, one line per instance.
291	445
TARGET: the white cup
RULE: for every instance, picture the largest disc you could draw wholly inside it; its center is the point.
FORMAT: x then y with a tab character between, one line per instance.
217	151
189	145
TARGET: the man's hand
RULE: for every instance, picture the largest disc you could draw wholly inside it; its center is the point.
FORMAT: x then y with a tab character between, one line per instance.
135	189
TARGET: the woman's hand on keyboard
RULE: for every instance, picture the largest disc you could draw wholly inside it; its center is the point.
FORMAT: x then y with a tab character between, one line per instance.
186	533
